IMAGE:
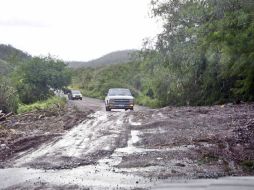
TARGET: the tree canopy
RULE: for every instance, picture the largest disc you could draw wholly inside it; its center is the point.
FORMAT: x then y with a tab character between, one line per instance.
204	55
208	44
38	78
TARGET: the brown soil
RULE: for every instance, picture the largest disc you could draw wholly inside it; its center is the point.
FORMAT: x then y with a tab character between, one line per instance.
195	142
29	130
169	143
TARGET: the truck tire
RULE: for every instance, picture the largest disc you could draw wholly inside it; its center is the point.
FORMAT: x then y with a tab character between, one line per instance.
108	109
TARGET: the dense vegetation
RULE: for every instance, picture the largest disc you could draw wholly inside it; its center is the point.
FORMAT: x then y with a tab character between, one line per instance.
138	76
8	97
36	79
43	105
204	55
25	79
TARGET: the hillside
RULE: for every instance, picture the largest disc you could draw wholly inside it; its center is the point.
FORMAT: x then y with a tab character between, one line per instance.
9	57
9	53
108	59
4	67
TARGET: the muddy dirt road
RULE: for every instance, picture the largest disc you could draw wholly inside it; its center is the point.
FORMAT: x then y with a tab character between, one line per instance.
142	149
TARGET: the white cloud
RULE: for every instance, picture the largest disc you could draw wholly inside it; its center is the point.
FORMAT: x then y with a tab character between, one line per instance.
75	29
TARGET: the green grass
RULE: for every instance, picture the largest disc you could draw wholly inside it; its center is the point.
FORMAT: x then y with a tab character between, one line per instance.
42	105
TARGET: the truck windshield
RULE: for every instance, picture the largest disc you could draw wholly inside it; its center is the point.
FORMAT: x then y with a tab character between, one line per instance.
75	92
119	92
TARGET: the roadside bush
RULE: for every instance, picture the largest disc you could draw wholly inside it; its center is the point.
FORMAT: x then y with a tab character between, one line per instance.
147	101
8	98
36	79
43	105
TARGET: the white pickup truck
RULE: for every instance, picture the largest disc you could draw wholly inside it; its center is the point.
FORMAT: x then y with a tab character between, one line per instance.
119	98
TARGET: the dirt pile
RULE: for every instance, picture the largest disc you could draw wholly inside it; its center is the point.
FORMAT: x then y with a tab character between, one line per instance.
234	149
194	142
29	130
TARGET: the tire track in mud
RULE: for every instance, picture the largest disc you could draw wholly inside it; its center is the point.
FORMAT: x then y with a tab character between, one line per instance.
93	139
86	157
127	150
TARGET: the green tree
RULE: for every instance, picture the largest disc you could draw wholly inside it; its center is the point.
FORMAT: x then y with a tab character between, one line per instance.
208	46
38	78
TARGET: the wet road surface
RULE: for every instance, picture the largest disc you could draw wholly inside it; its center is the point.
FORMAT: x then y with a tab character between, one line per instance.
226	183
85	156
103	152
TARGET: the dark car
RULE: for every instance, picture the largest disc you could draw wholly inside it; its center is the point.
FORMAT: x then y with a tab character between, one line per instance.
75	95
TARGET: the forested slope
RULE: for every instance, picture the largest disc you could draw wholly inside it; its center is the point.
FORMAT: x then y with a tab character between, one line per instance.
25	79
4	67
203	56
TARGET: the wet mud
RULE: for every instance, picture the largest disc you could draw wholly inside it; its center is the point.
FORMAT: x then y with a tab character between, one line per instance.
136	150
30	130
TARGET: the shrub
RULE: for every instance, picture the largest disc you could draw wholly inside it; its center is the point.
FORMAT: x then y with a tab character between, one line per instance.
37	78
8	97
43	105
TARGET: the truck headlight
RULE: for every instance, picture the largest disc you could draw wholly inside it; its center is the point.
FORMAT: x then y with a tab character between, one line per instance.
111	101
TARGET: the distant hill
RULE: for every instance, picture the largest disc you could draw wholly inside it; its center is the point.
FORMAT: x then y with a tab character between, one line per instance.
9	56
7	53
116	57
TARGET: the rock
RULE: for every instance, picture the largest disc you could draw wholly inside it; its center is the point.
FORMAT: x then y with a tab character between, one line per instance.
13	131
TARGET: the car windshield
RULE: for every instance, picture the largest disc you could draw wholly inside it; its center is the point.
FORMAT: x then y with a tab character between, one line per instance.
119	92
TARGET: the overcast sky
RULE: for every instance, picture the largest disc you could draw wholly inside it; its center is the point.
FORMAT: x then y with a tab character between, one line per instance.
75	29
